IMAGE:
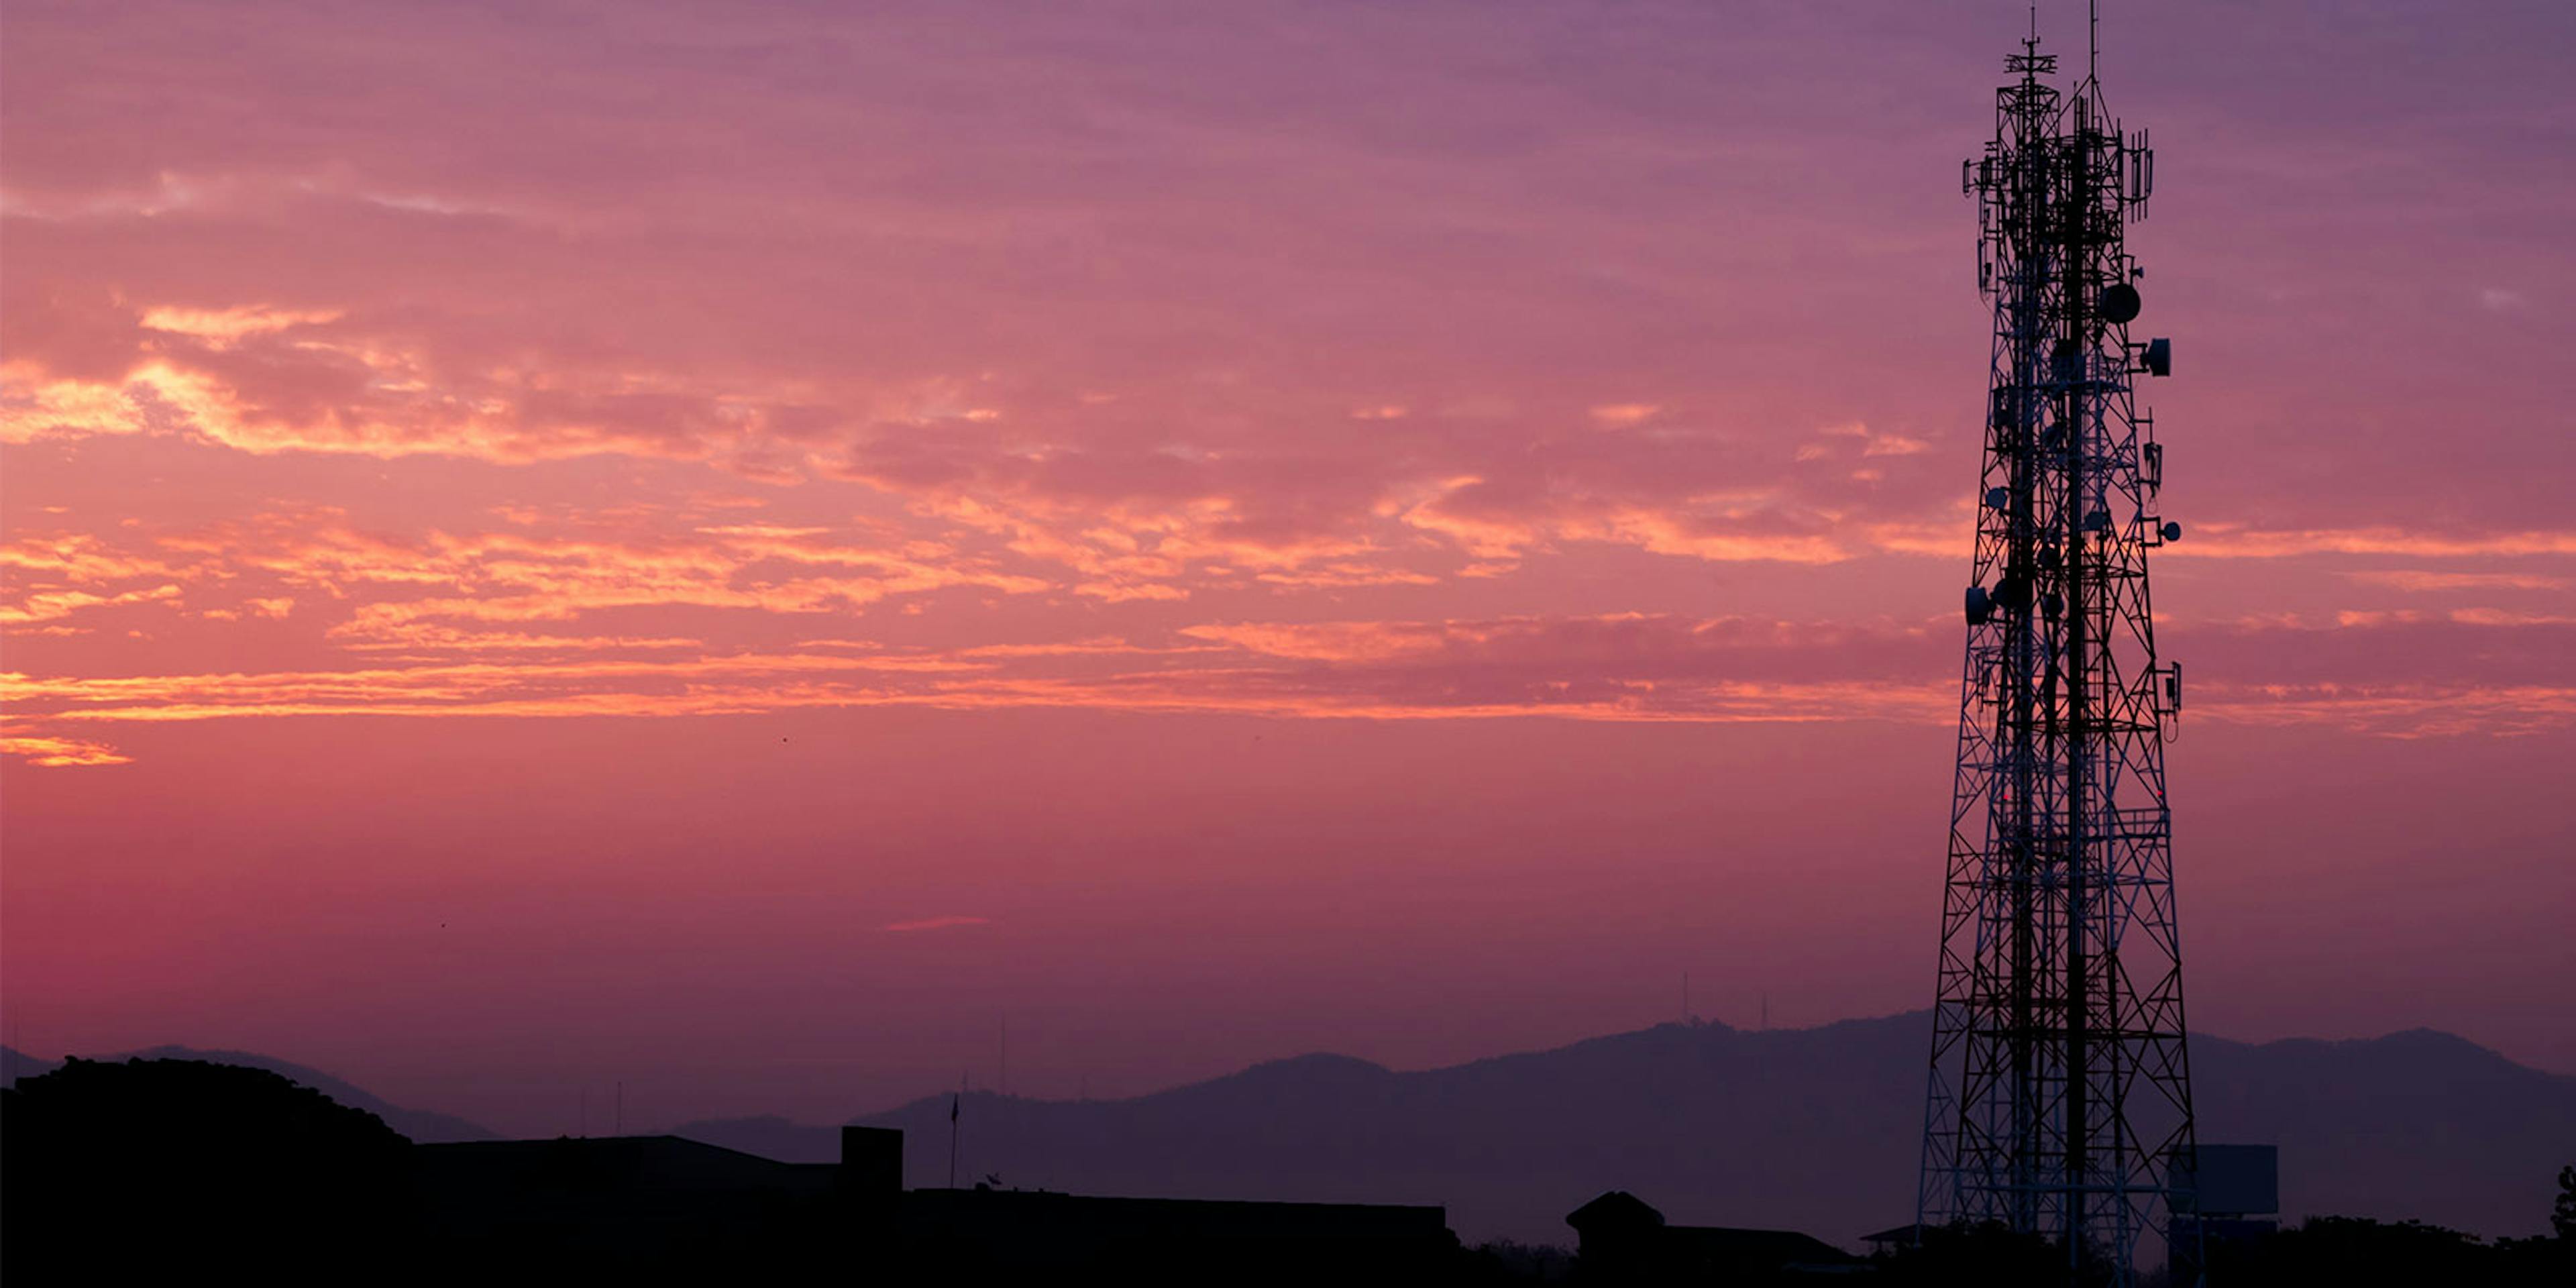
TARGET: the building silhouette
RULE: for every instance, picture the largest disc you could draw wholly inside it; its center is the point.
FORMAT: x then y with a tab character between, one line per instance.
664	1207
1626	1241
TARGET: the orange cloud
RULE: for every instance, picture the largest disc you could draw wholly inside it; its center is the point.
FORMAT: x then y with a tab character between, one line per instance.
2396	710
224	327
1718	527
1617	415
1329	641
506	576
2235	541
1610	667
45	606
2410	579
61	753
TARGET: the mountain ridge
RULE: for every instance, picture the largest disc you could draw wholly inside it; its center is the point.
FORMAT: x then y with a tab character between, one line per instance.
1816	1129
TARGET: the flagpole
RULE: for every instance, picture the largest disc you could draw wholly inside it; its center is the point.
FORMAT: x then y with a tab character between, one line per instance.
955	1103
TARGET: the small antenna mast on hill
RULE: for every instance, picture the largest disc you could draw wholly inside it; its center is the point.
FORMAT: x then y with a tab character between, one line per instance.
956	1106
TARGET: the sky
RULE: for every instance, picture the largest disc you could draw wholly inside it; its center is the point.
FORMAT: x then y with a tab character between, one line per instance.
783	556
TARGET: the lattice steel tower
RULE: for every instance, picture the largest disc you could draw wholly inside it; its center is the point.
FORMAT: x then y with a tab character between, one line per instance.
2060	1098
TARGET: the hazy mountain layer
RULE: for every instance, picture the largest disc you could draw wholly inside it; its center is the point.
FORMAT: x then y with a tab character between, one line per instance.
1813	1129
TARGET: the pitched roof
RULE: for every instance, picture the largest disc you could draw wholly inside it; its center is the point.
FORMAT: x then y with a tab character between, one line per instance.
1614	1209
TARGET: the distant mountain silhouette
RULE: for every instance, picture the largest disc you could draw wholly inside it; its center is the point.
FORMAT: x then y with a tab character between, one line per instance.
422	1126
1809	1129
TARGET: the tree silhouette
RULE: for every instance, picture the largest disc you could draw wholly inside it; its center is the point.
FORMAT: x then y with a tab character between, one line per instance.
2562	1215
1980	1256
2355	1252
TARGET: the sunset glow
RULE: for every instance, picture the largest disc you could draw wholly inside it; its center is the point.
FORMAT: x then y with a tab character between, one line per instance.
772	540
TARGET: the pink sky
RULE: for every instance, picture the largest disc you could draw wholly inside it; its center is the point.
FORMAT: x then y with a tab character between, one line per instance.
741	549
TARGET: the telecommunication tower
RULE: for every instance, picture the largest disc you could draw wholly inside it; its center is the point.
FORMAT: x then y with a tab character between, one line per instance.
2060	1100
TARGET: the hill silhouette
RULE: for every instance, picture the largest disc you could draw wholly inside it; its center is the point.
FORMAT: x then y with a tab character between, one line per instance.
422	1126
1811	1129
165	1169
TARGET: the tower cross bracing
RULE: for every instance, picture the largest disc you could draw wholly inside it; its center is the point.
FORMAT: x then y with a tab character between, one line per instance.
2060	1087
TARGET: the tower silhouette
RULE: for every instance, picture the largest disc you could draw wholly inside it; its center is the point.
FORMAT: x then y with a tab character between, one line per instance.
2060	1088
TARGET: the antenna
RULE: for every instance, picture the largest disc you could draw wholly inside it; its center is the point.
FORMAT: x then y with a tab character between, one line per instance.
956	1108
2092	39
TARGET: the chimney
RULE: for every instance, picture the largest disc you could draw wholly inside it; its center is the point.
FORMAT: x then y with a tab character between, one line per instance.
871	1162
